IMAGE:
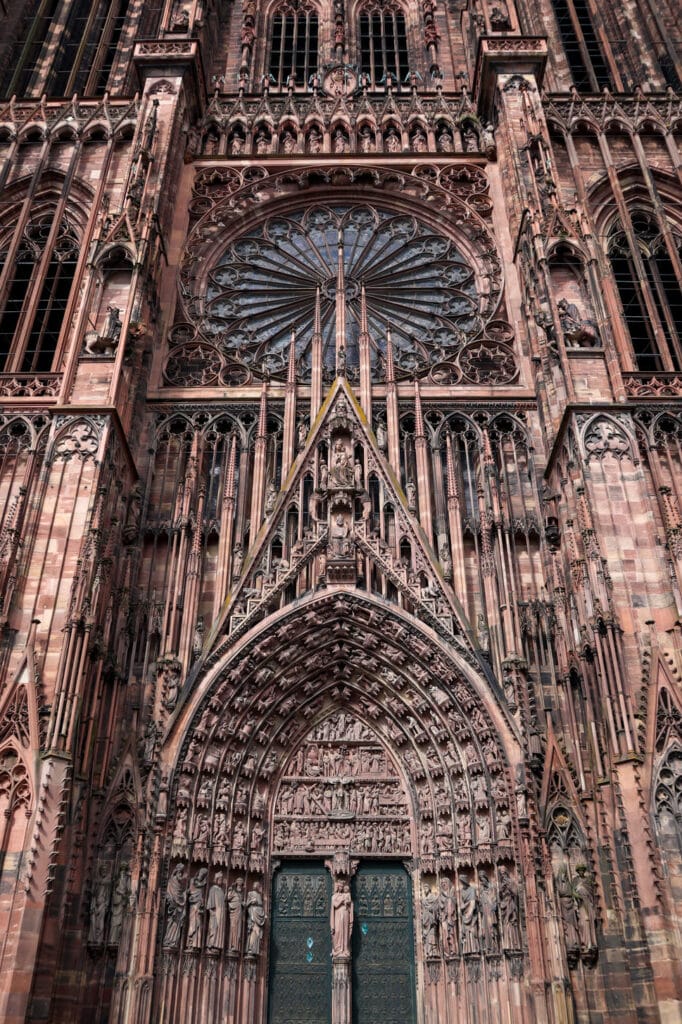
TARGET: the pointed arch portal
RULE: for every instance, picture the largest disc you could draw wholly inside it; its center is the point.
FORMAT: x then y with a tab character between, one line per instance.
362	761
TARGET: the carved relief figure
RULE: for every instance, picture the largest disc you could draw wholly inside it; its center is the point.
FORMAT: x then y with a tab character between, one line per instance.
430	917
469	916
196	909
488	911
235	904
215	905
448	918
120	902
255	920
341	920
509	911
99	904
176	902
583	894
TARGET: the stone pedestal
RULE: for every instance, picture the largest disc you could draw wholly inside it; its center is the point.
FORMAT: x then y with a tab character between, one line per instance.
341	990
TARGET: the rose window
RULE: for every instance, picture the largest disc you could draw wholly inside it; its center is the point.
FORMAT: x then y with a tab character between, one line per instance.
416	282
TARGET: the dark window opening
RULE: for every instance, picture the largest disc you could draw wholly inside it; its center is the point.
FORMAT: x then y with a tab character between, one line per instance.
42	341
293	49
583	51
383	45
24	60
13	307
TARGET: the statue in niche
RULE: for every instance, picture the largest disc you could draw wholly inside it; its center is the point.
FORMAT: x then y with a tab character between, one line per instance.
488	911
568	910
579	331
262	142
392	142
315	140
176	903
448	918
499	18
120	903
133	514
288	142
430	919
99	904
342	468
509	910
237	144
583	895
411	492
255	920
170	675
237	561
470	140
341	920
444	142
340	142
215	905
381	436
270	496
469	916
366	139
235	905
196	908
419	141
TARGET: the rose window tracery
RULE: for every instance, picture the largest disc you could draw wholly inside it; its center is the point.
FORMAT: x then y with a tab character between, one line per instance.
416	281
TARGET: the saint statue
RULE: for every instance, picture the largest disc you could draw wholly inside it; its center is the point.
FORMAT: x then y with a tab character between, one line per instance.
215	905
235	904
341	920
176	902
255	920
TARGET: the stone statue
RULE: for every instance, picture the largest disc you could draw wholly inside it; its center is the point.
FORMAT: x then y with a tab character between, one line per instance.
365	139
302	433
315	140
341	920
444	142
448	918
583	895
430	916
270	496
288	142
381	436
120	902
255	920
235	905
357	474
419	141
133	514
411	491
567	907
262	142
579	331
215	905
196	908
339	143
509	911
99	904
176	904
469	917
488	910
392	142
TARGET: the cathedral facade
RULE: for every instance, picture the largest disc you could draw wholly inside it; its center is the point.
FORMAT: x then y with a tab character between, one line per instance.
341	512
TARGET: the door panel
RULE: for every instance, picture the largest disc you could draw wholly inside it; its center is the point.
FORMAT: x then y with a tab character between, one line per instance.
383	946
300	946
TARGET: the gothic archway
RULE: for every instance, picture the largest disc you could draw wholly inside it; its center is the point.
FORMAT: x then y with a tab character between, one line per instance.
265	758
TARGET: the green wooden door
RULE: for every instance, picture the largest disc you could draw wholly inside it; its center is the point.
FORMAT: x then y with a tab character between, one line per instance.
383	946
300	946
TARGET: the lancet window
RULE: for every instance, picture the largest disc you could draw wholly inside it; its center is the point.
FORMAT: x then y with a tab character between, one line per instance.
583	50
44	266
383	43
294	44
85	53
646	275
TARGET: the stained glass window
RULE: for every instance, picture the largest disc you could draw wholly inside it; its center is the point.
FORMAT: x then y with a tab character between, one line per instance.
415	279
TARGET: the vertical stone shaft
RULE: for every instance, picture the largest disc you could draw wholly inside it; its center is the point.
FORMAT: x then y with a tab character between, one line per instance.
392	424
421	449
222	581
259	466
289	411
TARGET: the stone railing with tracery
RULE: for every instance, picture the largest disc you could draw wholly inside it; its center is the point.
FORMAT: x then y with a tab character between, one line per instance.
29	385
653	385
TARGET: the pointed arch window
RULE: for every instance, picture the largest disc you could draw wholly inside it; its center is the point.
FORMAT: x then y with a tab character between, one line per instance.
584	54
293	44
24	59
383	43
29	335
649	288
87	48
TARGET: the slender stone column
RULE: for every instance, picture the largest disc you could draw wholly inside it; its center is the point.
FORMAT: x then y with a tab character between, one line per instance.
341	989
